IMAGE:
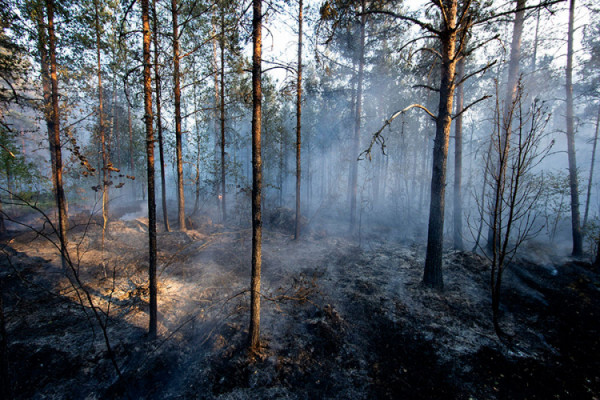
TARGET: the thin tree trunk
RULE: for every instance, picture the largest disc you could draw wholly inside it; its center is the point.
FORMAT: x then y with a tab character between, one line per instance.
177	98
216	118
161	151
432	275
256	177
152	326
222	109
589	188
54	126
198	147
535	41
573	183
458	239
299	122
357	119
101	124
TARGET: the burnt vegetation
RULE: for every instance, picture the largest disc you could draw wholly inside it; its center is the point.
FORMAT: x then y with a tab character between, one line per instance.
385	199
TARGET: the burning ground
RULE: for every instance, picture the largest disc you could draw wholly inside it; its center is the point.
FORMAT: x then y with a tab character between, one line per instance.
338	321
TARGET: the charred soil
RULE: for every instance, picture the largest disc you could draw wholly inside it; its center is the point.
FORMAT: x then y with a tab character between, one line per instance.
339	321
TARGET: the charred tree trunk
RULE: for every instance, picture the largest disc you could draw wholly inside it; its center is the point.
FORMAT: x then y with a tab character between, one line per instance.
177	98
222	110
256	177
299	122
152	326
458	125
357	119
161	152
573	183
101	124
54	126
432	276
589	188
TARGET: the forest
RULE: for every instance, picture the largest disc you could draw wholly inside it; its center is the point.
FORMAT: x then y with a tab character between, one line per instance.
299	199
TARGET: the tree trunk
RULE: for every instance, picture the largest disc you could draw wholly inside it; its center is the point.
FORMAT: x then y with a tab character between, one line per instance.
54	126
357	119
458	239
298	122
161	151
177	98
216	116
152	326
589	188
432	276
573	183
46	89
256	177
101	124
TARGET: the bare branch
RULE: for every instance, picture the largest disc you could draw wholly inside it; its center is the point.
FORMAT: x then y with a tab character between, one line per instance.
487	96
377	136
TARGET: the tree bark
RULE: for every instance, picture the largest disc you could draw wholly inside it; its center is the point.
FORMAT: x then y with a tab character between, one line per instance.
573	183
432	276
299	122
357	118
256	177
161	151
458	125
152	326
54	126
177	98
589	188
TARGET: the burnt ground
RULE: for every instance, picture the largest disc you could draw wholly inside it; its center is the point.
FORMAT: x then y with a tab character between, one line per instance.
339	321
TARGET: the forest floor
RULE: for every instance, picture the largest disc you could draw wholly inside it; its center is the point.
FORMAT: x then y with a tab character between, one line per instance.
339	321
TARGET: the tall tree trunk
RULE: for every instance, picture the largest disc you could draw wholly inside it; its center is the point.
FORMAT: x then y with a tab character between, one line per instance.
256	177
152	326
298	122
222	109
458	239
177	98
573	183
54	126
46	87
589	188
535	42
216	116
198	147
357	119
101	124
432	275
161	151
